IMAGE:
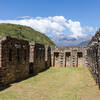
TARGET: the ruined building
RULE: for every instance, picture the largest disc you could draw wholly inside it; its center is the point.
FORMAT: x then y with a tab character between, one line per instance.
14	59
80	56
37	58
69	56
93	54
20	59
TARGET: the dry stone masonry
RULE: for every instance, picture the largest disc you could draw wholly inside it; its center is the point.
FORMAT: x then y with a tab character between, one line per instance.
14	59
47	56
37	58
20	59
69	56
93	53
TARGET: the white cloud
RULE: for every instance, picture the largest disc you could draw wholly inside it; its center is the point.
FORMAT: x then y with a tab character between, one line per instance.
54	26
75	28
49	25
88	29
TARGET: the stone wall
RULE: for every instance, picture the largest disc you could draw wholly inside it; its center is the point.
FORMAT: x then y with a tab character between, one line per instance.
19	59
93	53
69	56
47	56
14	59
31	58
37	58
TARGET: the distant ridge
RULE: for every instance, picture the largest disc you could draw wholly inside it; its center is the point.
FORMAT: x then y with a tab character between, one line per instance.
24	32
84	43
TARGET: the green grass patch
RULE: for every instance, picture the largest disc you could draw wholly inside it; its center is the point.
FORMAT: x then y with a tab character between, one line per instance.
55	84
24	32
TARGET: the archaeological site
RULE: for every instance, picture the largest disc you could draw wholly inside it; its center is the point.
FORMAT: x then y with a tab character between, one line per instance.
20	59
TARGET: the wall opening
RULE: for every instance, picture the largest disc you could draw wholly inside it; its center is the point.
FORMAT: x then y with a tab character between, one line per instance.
67	59
79	59
56	59
31	68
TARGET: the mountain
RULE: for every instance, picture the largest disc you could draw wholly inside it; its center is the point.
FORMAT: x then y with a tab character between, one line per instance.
67	40
24	32
84	43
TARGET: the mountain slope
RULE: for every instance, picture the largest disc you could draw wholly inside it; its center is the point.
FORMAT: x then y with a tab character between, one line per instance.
84	43
24	32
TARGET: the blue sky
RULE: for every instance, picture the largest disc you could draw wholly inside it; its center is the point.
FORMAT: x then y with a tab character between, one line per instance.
87	12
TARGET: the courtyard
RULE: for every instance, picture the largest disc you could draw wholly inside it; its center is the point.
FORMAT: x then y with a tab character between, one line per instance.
55	84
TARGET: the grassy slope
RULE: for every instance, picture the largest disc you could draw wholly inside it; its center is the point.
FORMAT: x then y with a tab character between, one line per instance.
55	84
24	32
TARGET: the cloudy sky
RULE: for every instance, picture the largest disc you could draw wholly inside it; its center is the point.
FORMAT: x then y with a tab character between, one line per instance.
66	22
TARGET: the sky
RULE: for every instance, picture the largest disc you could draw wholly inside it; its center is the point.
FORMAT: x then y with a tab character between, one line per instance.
64	21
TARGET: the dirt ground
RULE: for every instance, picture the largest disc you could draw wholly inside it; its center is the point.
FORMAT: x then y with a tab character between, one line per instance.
55	84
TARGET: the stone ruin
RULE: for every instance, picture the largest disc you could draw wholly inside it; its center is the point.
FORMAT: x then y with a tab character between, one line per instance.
14	59
40	58
37	58
80	56
69	56
93	54
20	59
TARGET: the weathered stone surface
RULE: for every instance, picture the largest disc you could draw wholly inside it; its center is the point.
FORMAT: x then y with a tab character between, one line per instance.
14	59
69	56
37	58
19	59
47	56
93	53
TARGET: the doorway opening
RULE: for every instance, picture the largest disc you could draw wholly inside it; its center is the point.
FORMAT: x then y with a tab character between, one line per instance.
67	59
31	68
79	59
56	59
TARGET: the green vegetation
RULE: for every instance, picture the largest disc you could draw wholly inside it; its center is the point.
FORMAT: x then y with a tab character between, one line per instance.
24	32
55	84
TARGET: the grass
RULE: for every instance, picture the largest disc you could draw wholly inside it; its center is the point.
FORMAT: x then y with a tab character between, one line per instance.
55	84
24	32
